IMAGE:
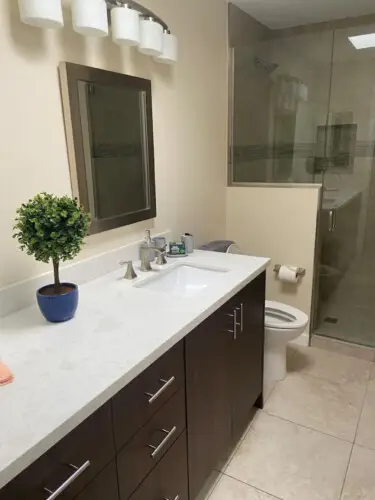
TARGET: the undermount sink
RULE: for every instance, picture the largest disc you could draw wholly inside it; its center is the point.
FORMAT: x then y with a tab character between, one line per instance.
183	281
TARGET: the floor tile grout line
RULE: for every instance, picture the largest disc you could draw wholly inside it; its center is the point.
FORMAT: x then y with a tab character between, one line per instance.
360	415
366	384
346	473
308	428
355	437
251	486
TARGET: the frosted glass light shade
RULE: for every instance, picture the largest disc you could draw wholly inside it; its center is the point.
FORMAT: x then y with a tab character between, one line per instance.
170	49
125	26
41	13
90	17
151	42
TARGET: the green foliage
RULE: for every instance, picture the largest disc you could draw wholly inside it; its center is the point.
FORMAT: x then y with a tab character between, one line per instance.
51	228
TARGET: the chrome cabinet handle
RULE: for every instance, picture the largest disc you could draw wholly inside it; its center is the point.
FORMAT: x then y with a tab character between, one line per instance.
177	497
166	384
157	449
332	221
69	481
241	312
234	325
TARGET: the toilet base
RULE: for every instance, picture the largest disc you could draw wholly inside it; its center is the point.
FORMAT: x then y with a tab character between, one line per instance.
275	362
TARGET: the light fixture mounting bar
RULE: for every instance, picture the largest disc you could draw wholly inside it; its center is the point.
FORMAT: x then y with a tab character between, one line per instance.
137	6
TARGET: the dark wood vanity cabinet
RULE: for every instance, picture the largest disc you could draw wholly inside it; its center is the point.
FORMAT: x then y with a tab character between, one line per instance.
208	398
162	435
224	379
247	355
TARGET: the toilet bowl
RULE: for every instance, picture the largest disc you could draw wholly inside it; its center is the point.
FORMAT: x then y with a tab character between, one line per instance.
283	323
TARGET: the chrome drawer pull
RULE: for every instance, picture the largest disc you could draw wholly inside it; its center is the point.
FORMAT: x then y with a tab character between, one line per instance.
235	324
241	309
166	384
177	497
69	481
157	449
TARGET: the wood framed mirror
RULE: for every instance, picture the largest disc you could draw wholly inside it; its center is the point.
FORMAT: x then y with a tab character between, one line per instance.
109	132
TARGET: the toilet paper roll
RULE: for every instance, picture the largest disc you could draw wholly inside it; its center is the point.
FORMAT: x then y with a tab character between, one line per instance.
288	274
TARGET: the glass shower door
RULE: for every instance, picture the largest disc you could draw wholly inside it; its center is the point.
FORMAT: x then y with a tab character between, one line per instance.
347	226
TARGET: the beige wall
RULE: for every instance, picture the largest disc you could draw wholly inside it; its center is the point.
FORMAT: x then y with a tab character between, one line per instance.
190	118
279	223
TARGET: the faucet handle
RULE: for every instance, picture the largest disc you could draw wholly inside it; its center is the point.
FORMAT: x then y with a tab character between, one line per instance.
130	273
160	258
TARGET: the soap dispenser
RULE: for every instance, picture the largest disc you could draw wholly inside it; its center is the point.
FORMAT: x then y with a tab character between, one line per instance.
147	243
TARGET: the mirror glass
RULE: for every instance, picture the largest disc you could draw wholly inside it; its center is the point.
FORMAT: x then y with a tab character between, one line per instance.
110	143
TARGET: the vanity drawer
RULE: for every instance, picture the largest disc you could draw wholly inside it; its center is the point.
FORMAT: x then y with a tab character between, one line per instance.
169	478
150	444
76	459
104	486
145	395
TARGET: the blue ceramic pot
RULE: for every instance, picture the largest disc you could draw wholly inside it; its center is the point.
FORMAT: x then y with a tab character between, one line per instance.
58	308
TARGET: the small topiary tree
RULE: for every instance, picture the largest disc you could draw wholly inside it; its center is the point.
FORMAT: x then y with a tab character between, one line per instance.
51	228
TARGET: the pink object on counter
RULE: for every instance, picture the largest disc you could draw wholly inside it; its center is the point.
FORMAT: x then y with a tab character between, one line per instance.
6	376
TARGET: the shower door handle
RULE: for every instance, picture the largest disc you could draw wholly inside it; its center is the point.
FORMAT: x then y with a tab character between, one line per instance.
332	221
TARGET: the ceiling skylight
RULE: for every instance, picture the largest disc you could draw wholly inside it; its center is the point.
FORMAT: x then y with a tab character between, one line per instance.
363	41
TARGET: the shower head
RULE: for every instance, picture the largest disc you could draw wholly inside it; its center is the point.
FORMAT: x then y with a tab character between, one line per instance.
267	67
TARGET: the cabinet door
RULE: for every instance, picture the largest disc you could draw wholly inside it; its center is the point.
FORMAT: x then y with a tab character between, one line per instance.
208	398
247	354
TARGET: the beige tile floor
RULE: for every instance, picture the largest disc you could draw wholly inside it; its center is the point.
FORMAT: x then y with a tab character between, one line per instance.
314	439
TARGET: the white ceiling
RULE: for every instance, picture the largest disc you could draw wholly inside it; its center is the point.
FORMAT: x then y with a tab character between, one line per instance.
277	14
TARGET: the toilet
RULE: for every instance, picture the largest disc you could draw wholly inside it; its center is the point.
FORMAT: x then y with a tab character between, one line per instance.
282	323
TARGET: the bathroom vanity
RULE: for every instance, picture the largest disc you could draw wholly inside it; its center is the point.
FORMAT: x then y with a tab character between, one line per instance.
185	396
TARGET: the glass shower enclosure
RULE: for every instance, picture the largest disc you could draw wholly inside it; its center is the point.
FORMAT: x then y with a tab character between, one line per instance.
303	111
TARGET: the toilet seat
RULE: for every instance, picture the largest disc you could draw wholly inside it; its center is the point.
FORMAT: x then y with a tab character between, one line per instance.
283	317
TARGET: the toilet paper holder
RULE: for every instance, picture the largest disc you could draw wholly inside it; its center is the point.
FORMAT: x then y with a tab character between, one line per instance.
300	270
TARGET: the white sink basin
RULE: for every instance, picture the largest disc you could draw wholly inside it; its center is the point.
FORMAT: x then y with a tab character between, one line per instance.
184	281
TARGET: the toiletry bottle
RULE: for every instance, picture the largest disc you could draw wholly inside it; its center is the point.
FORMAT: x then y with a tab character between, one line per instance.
147	243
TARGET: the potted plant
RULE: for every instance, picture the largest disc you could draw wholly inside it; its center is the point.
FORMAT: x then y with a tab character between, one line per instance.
52	229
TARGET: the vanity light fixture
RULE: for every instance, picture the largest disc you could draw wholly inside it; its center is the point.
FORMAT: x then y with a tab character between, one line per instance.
90	17
151	42
132	24
41	13
125	25
170	49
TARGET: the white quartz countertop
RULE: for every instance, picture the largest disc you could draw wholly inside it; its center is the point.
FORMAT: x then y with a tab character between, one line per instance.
64	372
